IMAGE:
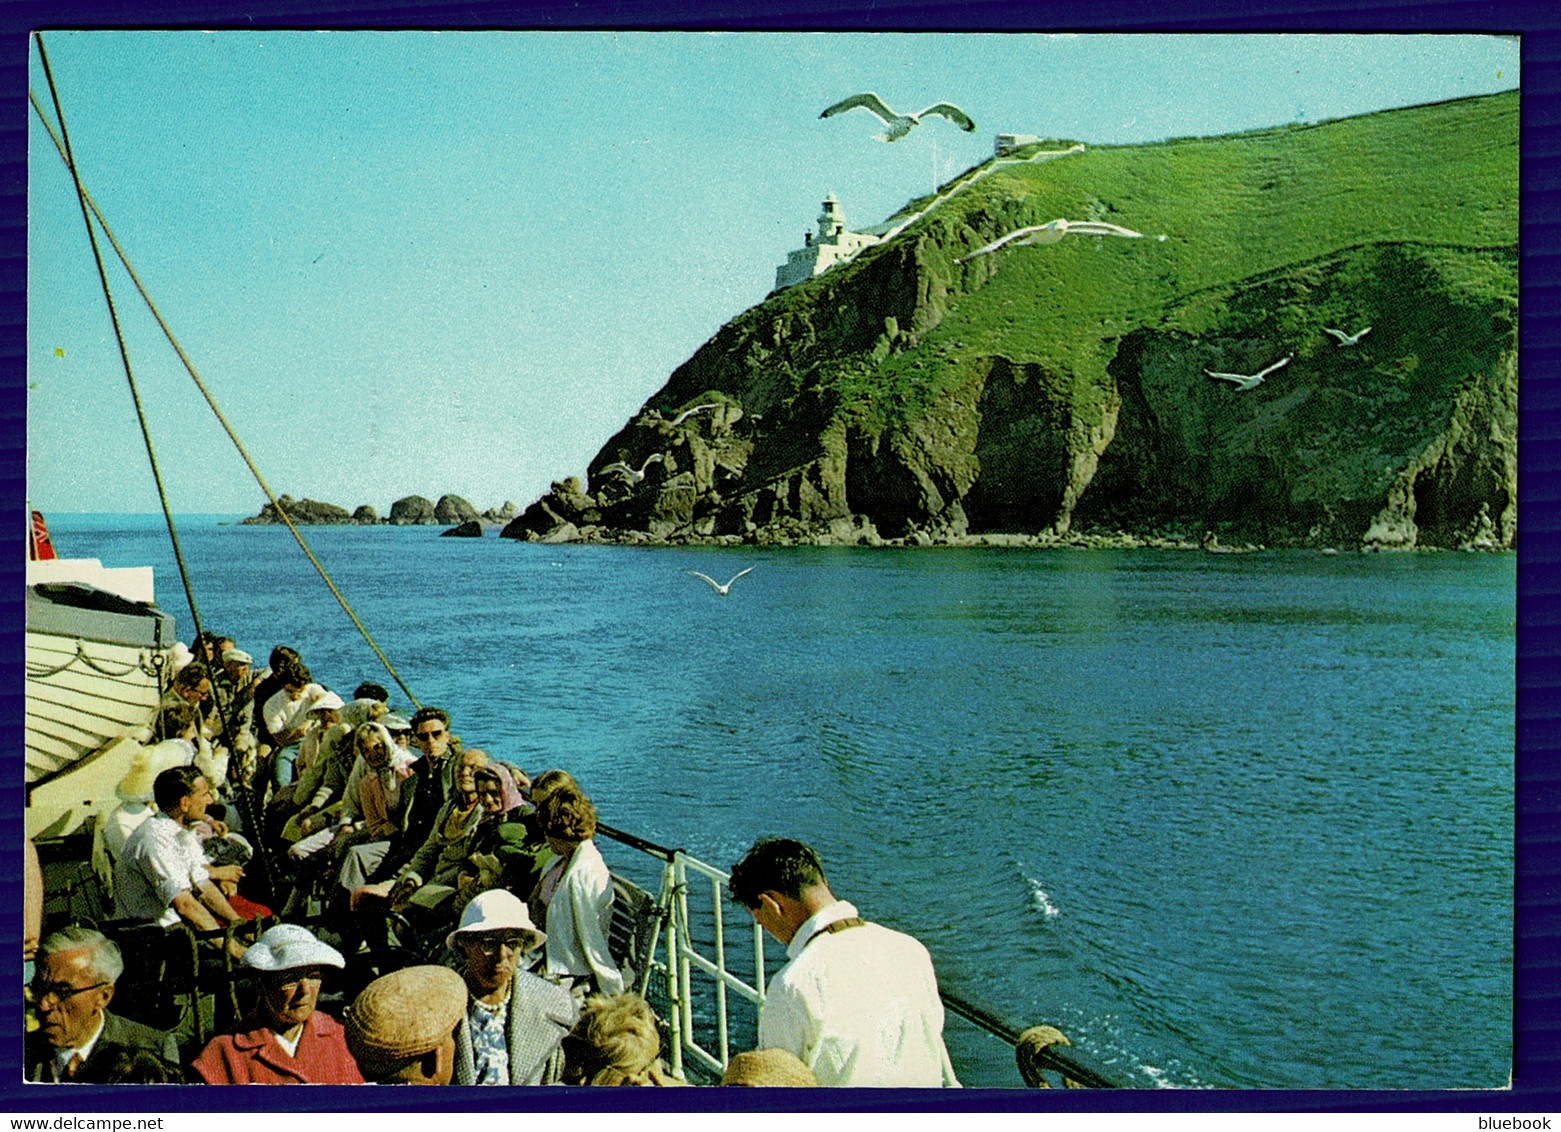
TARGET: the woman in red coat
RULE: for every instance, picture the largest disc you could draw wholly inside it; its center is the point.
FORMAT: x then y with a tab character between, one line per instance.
284	1040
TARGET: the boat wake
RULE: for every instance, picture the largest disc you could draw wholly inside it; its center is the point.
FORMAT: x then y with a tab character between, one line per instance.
1040	900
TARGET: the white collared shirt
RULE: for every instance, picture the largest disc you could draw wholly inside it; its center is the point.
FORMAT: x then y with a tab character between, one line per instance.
162	859
859	1006
62	1056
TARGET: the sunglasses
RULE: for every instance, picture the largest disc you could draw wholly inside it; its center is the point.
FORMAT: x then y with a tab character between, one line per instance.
425	736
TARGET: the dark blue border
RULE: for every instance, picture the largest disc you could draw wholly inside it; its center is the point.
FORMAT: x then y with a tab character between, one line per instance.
1537	1045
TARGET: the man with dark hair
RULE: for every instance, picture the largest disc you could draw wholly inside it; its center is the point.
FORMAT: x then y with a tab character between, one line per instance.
192	685
435	774
857	1003
77	1038
371	691
163	876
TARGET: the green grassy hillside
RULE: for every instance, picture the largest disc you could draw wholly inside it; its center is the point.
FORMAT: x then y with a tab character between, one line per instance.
1040	388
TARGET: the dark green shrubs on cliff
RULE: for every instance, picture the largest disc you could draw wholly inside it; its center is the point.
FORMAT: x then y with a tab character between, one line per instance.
1043	389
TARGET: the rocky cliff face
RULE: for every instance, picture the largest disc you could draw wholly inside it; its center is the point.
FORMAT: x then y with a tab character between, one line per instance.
1061	391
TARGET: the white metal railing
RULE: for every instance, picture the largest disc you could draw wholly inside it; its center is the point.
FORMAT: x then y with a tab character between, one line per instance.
687	959
680	875
686	881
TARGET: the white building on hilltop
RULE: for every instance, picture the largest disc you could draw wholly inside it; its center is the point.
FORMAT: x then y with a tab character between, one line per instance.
832	245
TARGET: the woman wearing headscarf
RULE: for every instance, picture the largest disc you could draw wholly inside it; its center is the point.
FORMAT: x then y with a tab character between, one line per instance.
317	793
375	807
423	887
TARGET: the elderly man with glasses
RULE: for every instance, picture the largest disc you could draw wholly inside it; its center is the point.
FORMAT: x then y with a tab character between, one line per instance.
77	1039
515	1022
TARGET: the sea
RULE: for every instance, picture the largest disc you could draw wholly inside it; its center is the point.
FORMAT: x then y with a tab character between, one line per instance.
1226	820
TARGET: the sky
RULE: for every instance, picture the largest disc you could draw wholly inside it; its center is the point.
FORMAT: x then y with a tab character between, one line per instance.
458	262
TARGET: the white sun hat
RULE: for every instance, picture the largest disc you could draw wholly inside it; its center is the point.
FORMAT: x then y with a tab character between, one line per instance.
498	910
287	946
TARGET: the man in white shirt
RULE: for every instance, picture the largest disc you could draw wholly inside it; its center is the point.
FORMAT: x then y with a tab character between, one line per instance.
163	875
857	1003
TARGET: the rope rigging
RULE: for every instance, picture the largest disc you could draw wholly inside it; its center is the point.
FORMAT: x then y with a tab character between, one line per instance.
62	143
88	205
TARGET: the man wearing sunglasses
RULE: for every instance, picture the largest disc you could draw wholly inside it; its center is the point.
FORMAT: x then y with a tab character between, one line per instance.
77	1038
434	769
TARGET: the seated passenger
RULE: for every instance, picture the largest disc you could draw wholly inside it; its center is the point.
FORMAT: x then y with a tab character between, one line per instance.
378	801
523	851
576	894
287	719
283	661
192	685
163	876
285	1040
615	1043
321	733
514	1021
430	879
401	1027
114	828
77	1038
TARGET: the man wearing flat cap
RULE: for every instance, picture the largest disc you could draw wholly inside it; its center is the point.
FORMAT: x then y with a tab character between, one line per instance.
514	1020
284	1040
401	1028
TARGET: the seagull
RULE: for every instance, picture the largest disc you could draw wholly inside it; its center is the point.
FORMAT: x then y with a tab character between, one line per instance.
686	413
899	124
1348	339
1052	232
629	473
1244	381
717	586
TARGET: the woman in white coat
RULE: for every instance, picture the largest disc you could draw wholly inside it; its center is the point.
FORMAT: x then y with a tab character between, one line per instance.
576	893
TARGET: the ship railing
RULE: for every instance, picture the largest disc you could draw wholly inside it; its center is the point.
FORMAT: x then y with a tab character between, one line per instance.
699	971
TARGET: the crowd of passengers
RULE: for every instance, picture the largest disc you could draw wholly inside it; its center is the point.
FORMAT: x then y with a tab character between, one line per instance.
382	833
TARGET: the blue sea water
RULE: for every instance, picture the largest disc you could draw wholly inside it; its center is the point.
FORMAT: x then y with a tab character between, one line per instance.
1226	820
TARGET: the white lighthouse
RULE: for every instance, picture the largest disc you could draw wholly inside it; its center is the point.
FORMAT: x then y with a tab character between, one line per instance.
833	244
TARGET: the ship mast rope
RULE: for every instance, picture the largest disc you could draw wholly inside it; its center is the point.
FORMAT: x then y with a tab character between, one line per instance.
62	144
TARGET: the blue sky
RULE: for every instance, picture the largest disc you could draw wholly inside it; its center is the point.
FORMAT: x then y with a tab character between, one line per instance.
413	262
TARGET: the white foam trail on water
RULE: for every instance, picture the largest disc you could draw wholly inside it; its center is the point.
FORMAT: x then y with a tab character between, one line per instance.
1043	903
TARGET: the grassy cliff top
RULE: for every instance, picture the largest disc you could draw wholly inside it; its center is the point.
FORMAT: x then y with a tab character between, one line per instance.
1234	211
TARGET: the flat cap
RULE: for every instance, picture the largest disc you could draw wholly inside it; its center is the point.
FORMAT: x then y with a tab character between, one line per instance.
402	1015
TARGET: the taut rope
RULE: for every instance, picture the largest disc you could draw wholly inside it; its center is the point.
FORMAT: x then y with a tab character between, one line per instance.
88	203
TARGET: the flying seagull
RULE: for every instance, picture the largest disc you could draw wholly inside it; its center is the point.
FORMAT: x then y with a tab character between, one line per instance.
629	473
1052	232
899	124
717	586
1348	339
1244	381
686	413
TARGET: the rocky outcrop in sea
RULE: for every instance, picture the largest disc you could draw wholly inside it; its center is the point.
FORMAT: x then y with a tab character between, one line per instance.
450	511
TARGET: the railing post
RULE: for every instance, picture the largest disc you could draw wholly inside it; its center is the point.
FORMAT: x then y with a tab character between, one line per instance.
675	987
683	972
669	883
720	962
